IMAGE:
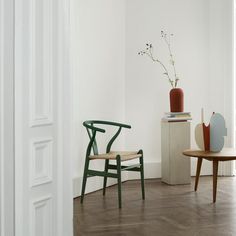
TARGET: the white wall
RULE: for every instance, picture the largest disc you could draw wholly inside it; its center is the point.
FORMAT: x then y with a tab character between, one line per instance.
98	39
107	37
147	90
221	90
203	49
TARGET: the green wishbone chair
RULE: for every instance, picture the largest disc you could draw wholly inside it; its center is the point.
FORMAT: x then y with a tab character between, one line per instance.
109	155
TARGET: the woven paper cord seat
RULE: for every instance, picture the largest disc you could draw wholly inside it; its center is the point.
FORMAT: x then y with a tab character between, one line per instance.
125	156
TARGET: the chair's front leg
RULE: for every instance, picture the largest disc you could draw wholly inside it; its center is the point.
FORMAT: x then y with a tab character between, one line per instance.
142	173
105	177
86	166
118	163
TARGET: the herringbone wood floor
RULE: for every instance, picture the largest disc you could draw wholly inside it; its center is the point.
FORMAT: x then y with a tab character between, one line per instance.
167	210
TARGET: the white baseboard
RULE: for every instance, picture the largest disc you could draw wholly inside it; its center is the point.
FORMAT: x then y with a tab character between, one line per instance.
151	170
206	168
93	184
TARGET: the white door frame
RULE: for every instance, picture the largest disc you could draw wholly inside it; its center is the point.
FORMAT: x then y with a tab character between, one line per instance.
7	117
65	122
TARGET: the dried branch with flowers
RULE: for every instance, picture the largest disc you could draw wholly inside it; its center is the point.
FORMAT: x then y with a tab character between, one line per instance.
149	52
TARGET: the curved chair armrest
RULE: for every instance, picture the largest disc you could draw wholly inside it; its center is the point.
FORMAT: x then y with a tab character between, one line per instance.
93	128
110	123
89	124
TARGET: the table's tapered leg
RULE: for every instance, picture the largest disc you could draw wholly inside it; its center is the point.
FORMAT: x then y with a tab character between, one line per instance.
215	173
199	165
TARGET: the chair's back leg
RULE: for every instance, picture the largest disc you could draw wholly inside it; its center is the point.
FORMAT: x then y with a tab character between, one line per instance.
118	163
105	177
86	166
142	173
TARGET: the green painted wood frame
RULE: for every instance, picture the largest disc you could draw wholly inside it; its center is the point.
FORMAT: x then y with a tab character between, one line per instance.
92	146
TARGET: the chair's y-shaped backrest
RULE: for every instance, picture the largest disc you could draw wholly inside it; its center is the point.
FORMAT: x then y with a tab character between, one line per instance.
92	130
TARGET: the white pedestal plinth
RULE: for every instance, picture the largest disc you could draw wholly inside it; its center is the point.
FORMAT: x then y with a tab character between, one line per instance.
175	138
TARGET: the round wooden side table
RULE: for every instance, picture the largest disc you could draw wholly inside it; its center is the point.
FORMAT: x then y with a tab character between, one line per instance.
227	154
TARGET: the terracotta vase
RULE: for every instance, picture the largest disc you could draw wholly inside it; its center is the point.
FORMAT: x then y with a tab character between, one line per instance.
206	136
176	100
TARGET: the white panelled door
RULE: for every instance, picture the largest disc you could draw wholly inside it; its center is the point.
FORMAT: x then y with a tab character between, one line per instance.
43	203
